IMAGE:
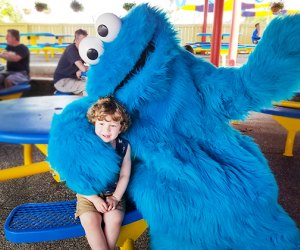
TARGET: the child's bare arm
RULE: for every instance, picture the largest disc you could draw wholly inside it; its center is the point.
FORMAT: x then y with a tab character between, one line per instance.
123	181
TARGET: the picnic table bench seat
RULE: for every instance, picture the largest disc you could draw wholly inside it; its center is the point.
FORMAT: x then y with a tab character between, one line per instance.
289	118
14	91
39	222
57	92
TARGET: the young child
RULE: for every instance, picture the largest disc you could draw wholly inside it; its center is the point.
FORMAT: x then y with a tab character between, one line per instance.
110	119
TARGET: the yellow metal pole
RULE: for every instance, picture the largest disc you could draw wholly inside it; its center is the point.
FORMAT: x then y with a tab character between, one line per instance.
33	40
289	144
131	232
292	125
55	176
128	245
289	104
23	171
60	40
27	154
43	148
46	55
12	96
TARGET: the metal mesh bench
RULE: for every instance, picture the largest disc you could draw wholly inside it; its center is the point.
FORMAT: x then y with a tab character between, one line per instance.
38	222
14	91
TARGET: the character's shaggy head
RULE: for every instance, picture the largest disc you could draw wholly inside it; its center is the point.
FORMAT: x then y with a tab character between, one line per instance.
128	54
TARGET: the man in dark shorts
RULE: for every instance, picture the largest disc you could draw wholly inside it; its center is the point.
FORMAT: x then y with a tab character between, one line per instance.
67	76
17	56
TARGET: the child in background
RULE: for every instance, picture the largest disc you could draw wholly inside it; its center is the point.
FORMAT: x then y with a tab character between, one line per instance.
256	34
110	119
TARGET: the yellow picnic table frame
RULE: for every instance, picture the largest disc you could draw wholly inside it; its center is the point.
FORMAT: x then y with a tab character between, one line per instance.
292	125
29	168
35	110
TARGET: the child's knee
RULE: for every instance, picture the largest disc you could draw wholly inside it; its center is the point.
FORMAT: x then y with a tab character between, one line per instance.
118	220
115	220
90	219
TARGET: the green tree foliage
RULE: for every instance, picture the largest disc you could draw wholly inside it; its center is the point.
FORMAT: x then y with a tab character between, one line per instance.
7	11
76	6
128	6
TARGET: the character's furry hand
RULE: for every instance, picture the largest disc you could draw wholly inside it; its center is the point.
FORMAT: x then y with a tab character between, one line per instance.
282	36
272	72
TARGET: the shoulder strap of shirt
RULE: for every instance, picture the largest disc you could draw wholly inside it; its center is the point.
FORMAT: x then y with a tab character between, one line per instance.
121	146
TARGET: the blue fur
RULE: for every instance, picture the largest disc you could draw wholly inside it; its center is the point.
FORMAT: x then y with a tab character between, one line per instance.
71	146
198	182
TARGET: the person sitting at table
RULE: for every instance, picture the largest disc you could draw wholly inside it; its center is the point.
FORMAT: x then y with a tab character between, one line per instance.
67	76
17	58
255	35
189	48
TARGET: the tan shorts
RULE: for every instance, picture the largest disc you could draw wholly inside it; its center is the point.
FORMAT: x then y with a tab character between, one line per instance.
84	205
75	86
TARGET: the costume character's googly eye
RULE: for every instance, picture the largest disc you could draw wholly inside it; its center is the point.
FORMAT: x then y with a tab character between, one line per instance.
108	27
90	50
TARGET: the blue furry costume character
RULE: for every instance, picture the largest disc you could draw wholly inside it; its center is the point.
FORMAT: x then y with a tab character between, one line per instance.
199	183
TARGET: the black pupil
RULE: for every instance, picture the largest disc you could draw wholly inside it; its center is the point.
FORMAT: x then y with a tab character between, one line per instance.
102	30
92	54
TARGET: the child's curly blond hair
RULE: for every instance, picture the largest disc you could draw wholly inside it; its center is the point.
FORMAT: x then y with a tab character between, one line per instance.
109	106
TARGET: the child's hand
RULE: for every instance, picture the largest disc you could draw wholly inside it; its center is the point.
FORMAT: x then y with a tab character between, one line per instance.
112	202
78	74
100	205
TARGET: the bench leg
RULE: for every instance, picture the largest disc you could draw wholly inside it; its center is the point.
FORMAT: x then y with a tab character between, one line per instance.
27	149
128	245
44	149
292	125
289	144
46	55
55	176
24	171
11	96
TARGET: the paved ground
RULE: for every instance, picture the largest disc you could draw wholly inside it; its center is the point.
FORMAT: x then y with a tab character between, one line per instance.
42	188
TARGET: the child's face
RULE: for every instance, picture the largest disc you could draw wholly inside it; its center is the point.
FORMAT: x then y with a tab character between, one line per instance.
107	129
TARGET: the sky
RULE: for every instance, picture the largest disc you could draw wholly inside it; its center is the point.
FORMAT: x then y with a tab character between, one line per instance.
62	13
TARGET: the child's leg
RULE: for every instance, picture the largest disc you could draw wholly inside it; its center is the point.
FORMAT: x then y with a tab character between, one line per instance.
91	222
113	221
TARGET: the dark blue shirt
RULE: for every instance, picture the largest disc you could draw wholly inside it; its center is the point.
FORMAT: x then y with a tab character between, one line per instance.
121	146
121	149
255	36
66	67
23	64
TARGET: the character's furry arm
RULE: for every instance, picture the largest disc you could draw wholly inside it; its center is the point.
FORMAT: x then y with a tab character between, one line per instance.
272	73
82	159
